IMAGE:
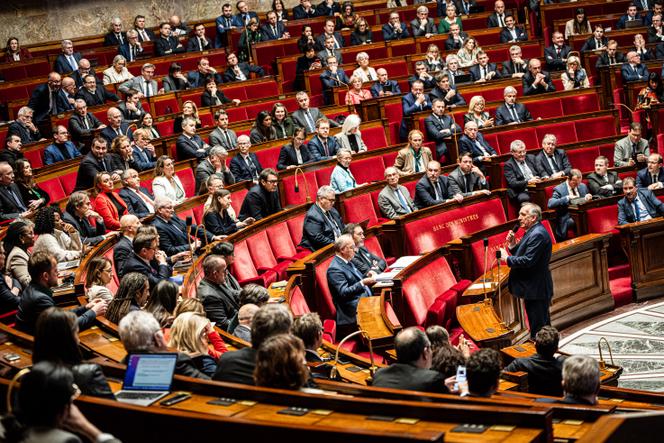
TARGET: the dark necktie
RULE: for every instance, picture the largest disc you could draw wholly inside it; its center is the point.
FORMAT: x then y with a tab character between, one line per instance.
437	191
327	151
148	92
120	40
515	116
226	138
557	52
17	200
466	179
554	165
252	167
335	227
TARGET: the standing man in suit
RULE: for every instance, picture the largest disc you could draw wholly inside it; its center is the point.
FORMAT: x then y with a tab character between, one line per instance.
93	95
48	99
224	25
552	162
472	141
322	224
562	197
214	164
536	81
307	117
11	203
511	112
384	86
245	165
236	71
520	171
652	176
415	101
262	199
638	204
394	200
556	54
67	61
144	83
96	161
82	123
634	70
347	285
433	188
395	29
441	128
365	261
483	71
140	202
530	277
244	15
274	29
412	371
512	33
322	146
222	135
167	44
602	182
632	149
199	42
61	149
497	17
467	179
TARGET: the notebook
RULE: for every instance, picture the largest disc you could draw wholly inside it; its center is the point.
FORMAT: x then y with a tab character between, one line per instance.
148	378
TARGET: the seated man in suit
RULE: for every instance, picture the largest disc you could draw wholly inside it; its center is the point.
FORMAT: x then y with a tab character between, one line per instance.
395	29
82	123
631	149
433	188
630	16
422	74
132	109
520	171
67	61
12	151
656	30
147	259
633	70
167	44
638	204
304	10
245	165
414	157
581	380
412	371
347	285
329	50
322	146
422	25
497	17
473	142
189	144
116	126
333	76
214	164
236	71
309	328
652	176
329	32
394	200
307	117
415	101
611	56
484	71
440	128
597	42
139	200
571	191
222	135
273	29
220	304
536	81
322	224
511	112
384	86
12	205
262	199
61	149
544	369
175	234
552	162
116	36
483	373
445	91
143	151
199	42
556	54
512	33
203	72
94	162
48	99
93	95
84	69
244	15
467	179
516	66
367	263
144	83
123	248
238	366
602	182
455	38
23	127
132	49
328	8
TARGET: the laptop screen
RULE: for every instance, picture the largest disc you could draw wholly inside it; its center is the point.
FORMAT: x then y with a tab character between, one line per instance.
150	372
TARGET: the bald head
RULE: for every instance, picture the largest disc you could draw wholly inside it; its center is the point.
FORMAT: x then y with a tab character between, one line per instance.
129	224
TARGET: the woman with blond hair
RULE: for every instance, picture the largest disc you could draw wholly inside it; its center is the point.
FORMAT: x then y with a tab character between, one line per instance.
575	76
166	183
118	72
189	109
364	71
189	334
356	94
477	114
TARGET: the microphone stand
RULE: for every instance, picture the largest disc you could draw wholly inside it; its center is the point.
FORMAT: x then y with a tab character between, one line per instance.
334	373
454	132
304	180
486	262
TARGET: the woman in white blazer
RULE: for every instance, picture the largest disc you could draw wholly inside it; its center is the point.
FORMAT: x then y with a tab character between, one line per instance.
166	183
118	71
350	136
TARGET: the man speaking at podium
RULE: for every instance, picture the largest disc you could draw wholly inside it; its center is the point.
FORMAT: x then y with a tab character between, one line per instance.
530	278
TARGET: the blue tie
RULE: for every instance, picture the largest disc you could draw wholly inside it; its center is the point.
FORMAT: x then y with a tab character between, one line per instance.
357	274
637	215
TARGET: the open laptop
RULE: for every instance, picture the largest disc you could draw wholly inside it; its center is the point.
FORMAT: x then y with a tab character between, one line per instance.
148	378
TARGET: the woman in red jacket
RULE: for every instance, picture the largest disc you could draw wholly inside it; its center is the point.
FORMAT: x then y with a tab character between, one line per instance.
108	204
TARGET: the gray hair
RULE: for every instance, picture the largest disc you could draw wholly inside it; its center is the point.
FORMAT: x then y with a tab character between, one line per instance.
66	42
509	90
549	137
361	55
580	375
217	151
342	152
137	331
160	202
188	120
533	209
575	173
125	175
343	240
271	319
243	138
324	191
24	110
352	121
77	198
212	262
517	144
132	33
119	58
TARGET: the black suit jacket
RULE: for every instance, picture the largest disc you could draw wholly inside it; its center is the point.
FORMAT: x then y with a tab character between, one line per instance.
40	100
516	182
503	116
468	145
492	20
544	374
475	73
425	195
100	96
109	133
269	34
134	263
239	167
77	126
219	224
346	289
595	183
205	169
208	100
603	59
287	156
544	168
61	64
136	205
126	53
365	261
554	62
35	299
259	203
237	366
246	68
220	304
192	44
528	89
25	134
10	206
88	169
590	44
121	251
90	235
189	147
173	234
510	68
166	46
412	378
433	125
318	231
299	12
507	37
530	277
111	39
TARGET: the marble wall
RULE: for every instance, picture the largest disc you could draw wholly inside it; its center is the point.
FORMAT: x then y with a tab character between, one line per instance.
34	21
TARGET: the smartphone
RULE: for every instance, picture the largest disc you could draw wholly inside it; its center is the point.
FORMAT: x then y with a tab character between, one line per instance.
11	357
461	384
176	399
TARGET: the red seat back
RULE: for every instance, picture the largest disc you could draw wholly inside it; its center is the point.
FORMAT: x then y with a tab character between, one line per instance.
261	251
280	241
374	137
578	104
53	188
602	219
565	132
295	226
68	182
359	208
237	198
368	170
526	135
299	196
323	175
546	108
323	297
422	288
298	305
243	266
593	128
583	159
188	182
268	158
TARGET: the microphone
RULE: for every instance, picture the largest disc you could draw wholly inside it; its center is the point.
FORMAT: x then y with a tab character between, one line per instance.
516	227
485	241
188	222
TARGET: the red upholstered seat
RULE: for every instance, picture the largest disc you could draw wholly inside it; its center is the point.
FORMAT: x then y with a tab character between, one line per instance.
620	282
262	256
244	269
53	188
239	92
295	226
577	104
237	114
164	127
602	219
268	158
359	208
323	176
188	213
526	135
368	170
35	158
293	196
283	247
583	159
188	182
592	128
388	159
545	108
237	198
198	213
164	104
68	182
323	298
147	184
374	137
565	132
373	245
